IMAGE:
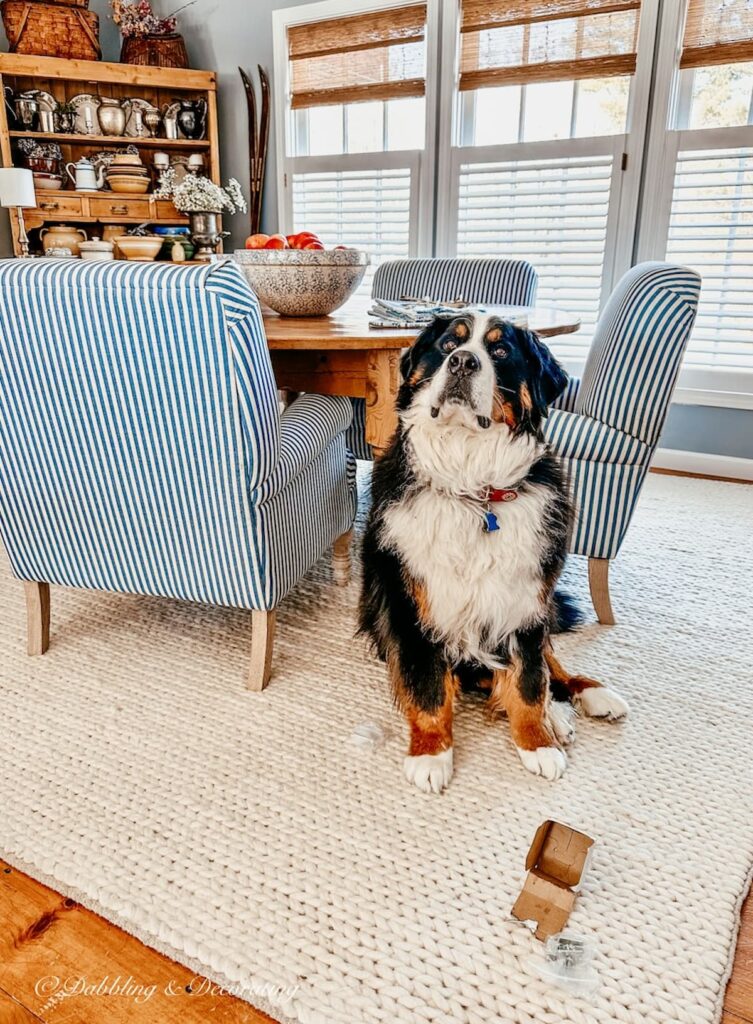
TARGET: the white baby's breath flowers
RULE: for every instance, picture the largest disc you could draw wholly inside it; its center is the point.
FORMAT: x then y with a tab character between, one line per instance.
197	194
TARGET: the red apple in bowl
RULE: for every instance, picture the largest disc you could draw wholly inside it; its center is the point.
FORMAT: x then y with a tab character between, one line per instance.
276	242
301	239
256	241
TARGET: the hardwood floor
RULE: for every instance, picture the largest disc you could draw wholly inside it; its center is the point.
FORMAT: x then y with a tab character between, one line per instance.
45	937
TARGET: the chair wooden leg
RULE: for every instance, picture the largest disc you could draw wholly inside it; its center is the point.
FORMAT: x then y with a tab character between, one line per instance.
262	645
341	558
37	617
598	579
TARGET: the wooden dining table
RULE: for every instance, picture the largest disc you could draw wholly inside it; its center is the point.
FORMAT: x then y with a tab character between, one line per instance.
341	354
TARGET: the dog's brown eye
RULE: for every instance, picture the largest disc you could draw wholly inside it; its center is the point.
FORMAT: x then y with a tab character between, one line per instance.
448	345
498	352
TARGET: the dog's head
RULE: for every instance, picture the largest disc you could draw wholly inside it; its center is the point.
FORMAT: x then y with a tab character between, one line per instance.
480	370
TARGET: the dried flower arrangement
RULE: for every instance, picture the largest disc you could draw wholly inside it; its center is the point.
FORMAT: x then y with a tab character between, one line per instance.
46	150
136	19
197	194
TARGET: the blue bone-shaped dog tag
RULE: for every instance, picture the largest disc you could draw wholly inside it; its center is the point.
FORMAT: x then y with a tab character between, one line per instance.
490	522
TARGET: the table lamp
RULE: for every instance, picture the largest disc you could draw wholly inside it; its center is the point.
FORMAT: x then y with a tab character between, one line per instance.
17	190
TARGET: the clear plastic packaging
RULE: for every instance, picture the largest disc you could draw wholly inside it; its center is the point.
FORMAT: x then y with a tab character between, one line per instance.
567	963
368	736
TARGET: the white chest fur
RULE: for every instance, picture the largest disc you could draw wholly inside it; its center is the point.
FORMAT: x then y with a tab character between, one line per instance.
481	587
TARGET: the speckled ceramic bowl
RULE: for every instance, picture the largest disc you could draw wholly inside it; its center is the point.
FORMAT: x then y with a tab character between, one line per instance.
300	282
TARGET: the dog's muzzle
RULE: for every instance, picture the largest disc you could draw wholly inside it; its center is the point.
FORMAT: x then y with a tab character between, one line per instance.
461	382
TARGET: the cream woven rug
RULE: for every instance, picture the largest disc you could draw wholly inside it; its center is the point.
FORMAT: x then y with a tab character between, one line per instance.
245	836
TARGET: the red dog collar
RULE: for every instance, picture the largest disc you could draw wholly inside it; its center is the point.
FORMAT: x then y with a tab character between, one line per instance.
497	494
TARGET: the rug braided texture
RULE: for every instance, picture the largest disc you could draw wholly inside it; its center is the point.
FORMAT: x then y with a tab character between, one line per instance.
245	835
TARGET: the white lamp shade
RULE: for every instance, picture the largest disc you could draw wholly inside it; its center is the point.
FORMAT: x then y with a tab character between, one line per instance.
17	187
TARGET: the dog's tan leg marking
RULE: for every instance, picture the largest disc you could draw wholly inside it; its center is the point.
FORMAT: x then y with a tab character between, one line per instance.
428	764
528	722
596	699
573	684
430	731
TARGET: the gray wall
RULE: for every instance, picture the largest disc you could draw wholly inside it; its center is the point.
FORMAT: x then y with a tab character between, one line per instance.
700	428
223	34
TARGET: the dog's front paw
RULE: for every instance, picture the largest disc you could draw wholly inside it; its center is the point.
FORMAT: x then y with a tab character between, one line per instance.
601	702
430	772
547	761
562	721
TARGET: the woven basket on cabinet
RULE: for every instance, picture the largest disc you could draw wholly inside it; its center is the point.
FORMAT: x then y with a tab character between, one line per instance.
168	51
51	29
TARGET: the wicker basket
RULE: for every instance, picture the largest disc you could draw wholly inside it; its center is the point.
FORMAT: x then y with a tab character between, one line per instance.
69	3
51	29
158	51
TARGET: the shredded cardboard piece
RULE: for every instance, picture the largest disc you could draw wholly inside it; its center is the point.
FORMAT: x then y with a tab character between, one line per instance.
557	862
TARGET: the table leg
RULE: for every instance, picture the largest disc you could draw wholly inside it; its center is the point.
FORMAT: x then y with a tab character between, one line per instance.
381	393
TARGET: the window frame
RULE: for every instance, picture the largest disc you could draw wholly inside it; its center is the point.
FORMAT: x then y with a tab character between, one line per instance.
421	162
665	139
628	149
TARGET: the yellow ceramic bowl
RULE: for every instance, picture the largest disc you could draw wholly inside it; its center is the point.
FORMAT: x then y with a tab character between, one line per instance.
143	248
128	184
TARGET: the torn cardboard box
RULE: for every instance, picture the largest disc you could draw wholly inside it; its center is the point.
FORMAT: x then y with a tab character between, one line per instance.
556	863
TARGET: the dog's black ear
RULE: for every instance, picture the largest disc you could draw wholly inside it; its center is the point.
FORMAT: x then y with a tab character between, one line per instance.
422	344
547	378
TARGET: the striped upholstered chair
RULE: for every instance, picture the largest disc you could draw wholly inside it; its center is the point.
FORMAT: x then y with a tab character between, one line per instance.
142	449
607	425
488	280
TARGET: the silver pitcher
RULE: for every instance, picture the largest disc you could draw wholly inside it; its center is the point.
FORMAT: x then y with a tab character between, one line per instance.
205	234
26	112
170	119
112	117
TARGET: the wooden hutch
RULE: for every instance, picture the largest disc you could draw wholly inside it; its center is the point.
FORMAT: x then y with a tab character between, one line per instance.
66	78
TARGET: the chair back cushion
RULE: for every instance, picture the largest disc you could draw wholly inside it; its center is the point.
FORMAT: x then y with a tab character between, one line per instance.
637	349
138	408
488	280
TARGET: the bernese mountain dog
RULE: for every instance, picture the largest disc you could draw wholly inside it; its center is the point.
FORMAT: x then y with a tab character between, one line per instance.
465	542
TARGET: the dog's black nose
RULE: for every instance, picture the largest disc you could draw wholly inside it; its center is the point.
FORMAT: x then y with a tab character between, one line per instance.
463	363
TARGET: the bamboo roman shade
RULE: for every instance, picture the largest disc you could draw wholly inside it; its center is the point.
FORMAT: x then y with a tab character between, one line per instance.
514	42
375	56
717	32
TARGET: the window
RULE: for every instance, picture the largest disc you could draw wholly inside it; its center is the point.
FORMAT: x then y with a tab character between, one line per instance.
699	208
354	101
711	229
537	164
552	212
530	138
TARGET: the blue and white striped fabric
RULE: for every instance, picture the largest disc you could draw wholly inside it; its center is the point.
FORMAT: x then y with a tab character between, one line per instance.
484	281
638	347
579	437
569	396
141	447
606	427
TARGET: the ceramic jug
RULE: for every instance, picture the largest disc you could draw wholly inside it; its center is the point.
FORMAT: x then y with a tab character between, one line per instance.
84	177
62	236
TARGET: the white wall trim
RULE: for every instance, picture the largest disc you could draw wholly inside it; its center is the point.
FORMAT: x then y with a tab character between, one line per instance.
704	463
714	399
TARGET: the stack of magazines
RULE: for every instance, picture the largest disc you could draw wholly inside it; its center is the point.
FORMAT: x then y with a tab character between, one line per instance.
410	313
417	313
